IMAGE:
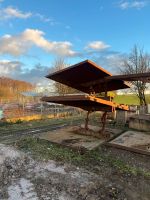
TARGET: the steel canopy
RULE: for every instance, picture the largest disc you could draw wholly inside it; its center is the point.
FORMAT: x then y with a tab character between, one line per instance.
82	75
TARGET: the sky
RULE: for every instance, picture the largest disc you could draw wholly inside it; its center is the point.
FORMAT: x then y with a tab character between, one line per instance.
33	34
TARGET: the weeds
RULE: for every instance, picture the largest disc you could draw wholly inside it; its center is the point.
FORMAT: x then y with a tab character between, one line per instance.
41	149
5	123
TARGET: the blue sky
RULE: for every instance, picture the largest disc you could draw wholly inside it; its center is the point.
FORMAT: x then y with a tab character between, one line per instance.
33	33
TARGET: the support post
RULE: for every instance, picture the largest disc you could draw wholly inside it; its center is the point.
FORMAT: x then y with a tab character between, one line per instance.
92	92
103	120
87	120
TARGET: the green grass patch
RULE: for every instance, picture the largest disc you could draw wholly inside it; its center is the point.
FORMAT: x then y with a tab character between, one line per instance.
129	99
44	150
41	149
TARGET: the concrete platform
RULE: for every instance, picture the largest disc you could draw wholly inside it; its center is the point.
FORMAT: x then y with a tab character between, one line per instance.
112	131
140	122
134	141
68	137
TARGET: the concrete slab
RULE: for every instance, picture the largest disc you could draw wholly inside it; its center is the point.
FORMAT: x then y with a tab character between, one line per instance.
140	122
134	141
68	137
113	131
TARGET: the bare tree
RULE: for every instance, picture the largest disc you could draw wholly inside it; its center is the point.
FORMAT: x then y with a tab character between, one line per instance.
137	62
61	89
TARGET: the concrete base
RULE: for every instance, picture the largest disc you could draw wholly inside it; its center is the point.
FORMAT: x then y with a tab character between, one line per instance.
68	137
140	122
71	137
134	141
121	117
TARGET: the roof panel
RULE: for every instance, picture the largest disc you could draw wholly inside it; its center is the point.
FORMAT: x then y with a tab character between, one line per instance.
85	102
77	76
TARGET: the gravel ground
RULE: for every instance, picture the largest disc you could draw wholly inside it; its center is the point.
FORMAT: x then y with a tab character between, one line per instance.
130	158
22	178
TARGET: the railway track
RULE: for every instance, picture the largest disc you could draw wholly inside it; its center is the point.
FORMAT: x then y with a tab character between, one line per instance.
14	135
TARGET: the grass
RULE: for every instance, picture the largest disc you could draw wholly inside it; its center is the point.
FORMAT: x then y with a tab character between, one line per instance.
41	149
22	125
129	99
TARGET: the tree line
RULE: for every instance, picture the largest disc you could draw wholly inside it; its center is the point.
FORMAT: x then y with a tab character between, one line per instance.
10	88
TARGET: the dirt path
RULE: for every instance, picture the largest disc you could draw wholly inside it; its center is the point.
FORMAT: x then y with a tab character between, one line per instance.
22	178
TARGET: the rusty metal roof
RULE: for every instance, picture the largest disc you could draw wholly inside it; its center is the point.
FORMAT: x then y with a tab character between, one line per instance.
82	75
86	102
145	77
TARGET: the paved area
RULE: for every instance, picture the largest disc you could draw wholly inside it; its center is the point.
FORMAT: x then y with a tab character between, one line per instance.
72	137
133	139
69	137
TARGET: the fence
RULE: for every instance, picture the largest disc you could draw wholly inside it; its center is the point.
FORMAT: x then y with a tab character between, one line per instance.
10	109
17	109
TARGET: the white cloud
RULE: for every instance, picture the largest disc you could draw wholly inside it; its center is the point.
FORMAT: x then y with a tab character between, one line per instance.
17	45
35	75
45	19
10	12
8	68
16	70
97	45
110	60
115	61
132	4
